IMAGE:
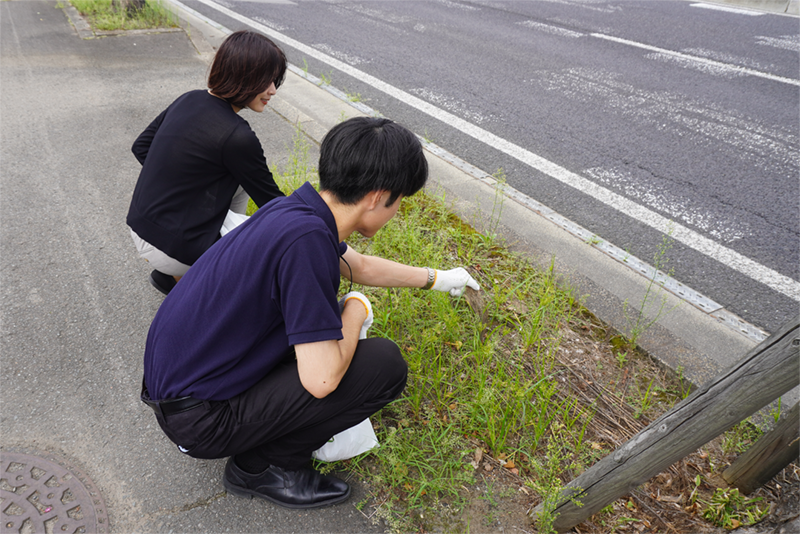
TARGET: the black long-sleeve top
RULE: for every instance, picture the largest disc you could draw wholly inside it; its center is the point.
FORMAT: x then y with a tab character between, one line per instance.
194	156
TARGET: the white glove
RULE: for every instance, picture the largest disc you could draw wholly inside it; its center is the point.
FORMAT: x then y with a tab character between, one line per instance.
454	281
365	301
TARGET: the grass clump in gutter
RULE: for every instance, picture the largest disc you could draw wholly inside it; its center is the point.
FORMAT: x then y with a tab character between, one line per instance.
102	15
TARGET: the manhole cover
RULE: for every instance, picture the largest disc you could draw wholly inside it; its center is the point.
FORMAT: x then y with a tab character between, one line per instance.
46	495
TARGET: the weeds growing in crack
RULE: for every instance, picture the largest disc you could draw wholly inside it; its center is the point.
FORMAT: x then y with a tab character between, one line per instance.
640	320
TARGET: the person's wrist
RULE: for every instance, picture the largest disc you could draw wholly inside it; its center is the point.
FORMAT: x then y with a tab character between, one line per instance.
431	278
363	305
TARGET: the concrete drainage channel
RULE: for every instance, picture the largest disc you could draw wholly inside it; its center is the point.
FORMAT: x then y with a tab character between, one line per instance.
44	493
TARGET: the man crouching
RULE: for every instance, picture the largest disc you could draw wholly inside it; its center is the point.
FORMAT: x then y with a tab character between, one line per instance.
252	357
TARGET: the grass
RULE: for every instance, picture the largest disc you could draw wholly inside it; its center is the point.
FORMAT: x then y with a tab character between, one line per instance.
101	15
728	509
482	369
512	391
638	321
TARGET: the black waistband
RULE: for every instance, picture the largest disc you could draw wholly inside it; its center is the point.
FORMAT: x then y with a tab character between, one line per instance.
170	406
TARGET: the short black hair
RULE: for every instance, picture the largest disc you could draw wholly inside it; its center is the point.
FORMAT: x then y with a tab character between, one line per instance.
245	65
366	154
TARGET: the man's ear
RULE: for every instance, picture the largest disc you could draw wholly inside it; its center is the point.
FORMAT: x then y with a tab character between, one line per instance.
374	198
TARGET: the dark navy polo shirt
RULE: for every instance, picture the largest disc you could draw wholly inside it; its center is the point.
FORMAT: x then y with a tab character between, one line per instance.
268	285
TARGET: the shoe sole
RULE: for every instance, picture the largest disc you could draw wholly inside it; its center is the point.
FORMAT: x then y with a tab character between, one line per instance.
244	492
155	285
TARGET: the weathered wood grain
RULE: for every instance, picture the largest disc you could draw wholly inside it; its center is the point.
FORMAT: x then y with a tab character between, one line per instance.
768	456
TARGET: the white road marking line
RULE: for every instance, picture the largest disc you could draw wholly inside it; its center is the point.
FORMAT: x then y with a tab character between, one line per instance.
729	9
548	28
760	273
717	64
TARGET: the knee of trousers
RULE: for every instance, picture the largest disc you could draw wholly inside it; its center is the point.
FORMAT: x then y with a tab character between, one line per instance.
386	355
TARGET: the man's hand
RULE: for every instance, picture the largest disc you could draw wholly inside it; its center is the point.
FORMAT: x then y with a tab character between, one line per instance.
365	301
454	281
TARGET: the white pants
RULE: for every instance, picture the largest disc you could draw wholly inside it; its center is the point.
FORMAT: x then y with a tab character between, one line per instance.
169	265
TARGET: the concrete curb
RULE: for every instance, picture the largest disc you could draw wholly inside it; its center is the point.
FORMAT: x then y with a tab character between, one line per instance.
78	22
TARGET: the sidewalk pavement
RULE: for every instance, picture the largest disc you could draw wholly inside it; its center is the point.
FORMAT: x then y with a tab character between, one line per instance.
76	304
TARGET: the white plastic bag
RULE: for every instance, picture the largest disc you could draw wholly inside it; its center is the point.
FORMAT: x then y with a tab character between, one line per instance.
348	443
232	220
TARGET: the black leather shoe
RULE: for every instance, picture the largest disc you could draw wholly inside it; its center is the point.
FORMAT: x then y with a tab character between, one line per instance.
162	282
304	488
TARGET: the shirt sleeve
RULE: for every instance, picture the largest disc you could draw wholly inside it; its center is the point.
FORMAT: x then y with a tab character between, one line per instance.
308	280
243	155
141	146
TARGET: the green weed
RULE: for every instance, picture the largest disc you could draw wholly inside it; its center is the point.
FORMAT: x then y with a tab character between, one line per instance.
639	321
729	509
645	400
775	410
740	437
102	15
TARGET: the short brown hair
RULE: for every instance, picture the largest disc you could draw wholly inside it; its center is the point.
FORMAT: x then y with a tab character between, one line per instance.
244	66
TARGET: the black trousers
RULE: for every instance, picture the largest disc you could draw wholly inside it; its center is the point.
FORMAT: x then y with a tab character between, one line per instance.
284	422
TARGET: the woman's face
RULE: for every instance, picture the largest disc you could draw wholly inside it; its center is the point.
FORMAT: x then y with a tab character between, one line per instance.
260	101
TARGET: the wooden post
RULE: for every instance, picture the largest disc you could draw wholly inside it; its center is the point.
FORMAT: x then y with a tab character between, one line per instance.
775	450
765	373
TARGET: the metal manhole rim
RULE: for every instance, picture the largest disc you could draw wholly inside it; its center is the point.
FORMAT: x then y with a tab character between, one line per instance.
89	502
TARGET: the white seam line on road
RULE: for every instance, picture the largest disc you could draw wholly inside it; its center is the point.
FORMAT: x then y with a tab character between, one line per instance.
737	10
736	261
717	64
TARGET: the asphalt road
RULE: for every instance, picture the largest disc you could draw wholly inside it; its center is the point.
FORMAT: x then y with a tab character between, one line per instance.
634	119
